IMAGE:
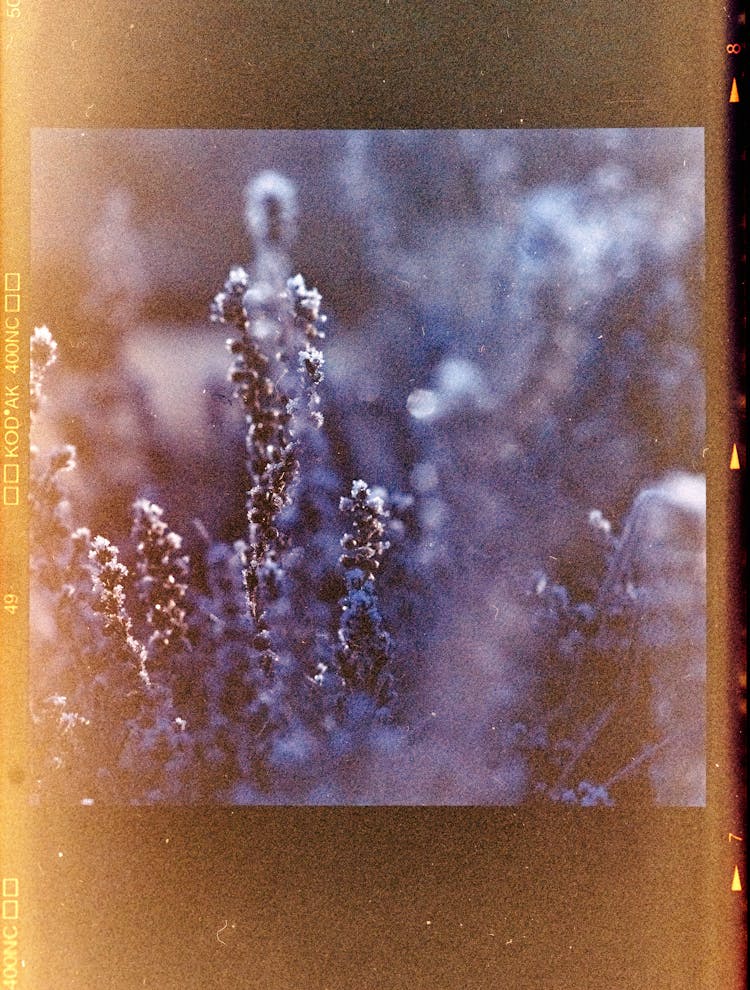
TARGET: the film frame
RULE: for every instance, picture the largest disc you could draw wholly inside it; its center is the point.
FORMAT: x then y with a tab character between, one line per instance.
584	71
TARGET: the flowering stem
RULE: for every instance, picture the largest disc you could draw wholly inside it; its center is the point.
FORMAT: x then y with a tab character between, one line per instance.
270	440
363	657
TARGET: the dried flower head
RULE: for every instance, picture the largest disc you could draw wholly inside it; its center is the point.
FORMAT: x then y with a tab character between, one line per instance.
108	581
363	657
162	572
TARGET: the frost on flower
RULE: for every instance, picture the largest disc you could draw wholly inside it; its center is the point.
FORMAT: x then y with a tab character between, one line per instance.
364	654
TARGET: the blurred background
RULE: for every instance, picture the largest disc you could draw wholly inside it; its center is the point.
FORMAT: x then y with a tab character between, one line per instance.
550	280
514	338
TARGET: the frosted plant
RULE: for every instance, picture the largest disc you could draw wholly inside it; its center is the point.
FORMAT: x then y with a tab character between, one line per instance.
271	461
590	681
60	762
237	709
269	327
362	659
634	656
310	358
109	576
60	587
49	512
49	509
150	750
110	733
162	577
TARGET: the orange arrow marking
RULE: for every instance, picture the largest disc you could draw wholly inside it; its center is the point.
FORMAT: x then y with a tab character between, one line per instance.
736	884
734	460
734	96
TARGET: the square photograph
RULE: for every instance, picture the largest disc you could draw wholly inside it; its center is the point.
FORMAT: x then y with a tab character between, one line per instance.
367	467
